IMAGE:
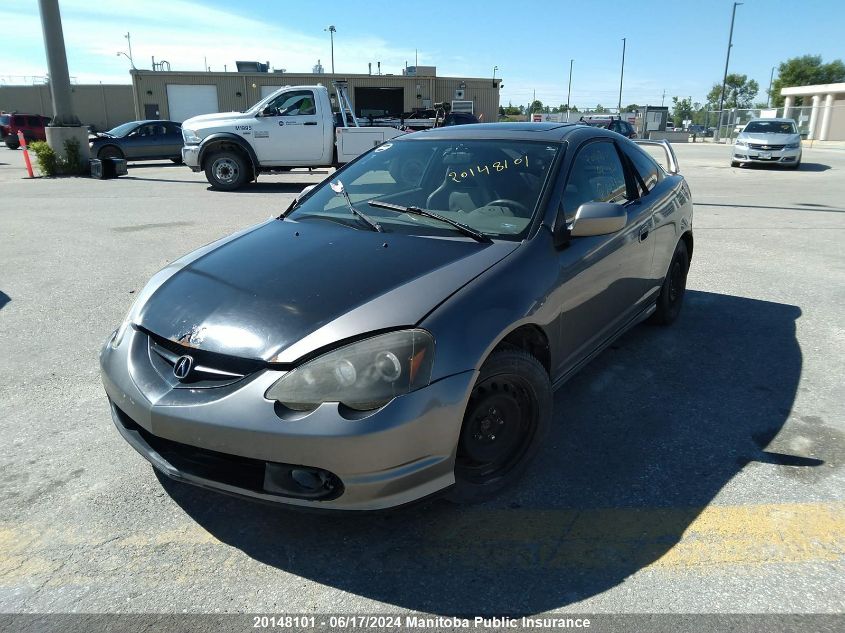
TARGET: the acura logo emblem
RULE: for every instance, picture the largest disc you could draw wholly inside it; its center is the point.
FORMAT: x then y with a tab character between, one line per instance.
183	367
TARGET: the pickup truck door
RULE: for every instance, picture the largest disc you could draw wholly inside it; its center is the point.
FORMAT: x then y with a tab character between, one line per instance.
290	129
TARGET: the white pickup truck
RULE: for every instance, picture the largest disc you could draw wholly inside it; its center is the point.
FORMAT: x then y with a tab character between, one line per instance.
292	127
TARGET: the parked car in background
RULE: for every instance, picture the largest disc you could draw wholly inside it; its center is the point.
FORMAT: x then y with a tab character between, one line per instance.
768	141
384	340
32	126
139	140
698	130
613	124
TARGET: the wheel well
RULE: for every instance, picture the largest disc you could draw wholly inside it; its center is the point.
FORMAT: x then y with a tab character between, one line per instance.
225	146
533	340
110	146
687	237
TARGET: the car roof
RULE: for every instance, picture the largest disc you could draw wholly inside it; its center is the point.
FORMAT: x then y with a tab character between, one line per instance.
545	131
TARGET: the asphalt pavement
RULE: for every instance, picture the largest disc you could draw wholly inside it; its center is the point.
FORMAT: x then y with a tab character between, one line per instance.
691	469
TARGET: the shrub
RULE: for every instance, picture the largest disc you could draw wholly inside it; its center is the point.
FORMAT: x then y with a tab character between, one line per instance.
72	162
48	162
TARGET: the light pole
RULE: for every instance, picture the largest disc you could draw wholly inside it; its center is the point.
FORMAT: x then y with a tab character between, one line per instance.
621	76
569	91
495	68
332	31
725	77
771	79
129	56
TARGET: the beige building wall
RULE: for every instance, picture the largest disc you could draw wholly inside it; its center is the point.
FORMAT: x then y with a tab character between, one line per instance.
239	91
102	105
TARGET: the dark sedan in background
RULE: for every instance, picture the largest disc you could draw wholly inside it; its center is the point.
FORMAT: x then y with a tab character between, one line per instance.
139	140
383	340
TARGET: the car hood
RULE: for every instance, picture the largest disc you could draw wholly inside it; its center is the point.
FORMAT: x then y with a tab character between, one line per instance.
287	288
769	138
203	119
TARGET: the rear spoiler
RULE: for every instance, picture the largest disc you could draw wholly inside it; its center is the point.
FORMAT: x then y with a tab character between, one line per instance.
671	159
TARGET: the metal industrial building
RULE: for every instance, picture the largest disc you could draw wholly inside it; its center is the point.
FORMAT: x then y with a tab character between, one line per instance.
179	95
102	106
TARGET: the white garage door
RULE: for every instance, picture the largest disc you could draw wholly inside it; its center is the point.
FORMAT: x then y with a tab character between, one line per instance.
266	90
184	101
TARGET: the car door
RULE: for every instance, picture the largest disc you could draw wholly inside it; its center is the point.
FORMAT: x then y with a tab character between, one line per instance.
290	129
172	142
604	277
139	144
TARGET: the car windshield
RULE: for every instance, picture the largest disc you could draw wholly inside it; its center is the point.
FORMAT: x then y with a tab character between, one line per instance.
771	127
122	130
490	186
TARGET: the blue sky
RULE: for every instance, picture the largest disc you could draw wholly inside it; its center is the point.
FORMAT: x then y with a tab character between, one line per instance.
675	46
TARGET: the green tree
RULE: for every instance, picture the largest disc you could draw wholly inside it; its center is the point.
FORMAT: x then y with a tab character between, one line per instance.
739	92
599	108
632	107
807	70
536	106
681	110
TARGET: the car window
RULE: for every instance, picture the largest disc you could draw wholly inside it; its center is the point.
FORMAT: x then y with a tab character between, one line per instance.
596	175
33	121
492	186
294	103
4	119
645	165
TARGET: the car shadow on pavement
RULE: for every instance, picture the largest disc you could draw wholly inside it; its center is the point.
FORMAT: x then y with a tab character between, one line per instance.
4	299
645	437
269	187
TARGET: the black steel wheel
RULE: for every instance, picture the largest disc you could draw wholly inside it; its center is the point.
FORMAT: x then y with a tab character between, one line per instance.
508	413
671	296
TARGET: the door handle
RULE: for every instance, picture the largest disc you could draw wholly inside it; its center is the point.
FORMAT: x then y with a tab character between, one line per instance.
644	234
310	123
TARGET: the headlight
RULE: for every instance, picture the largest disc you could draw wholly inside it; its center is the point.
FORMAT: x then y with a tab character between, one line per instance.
364	375
741	141
793	145
190	137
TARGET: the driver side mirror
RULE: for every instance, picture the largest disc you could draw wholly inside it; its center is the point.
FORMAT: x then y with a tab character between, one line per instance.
269	111
598	218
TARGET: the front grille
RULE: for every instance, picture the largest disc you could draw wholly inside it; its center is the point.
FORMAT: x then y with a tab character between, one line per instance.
233	470
210	369
766	148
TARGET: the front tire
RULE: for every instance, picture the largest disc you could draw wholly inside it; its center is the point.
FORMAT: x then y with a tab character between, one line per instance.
671	296
508	414
734	163
12	144
226	171
108	152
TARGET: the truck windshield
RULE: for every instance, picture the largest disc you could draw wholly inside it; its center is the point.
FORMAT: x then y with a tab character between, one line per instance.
493	187
771	127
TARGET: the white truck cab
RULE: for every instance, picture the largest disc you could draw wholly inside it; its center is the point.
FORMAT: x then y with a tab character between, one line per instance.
292	127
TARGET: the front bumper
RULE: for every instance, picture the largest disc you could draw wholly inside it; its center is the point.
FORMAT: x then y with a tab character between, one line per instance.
215	437
747	154
191	156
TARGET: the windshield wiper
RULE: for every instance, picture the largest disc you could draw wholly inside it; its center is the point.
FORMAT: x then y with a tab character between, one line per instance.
338	188
463	228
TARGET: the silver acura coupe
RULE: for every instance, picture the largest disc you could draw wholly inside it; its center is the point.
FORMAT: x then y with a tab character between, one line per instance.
399	330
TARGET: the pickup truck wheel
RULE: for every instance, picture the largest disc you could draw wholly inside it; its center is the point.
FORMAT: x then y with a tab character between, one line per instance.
671	295
12	144
508	414
226	171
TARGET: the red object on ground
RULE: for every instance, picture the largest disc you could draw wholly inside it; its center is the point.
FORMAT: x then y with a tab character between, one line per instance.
22	141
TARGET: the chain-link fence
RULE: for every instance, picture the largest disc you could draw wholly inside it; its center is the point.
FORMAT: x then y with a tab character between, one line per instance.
724	126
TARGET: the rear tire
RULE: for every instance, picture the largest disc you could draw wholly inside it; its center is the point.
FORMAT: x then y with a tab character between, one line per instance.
508	415
226	171
671	296
12	144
